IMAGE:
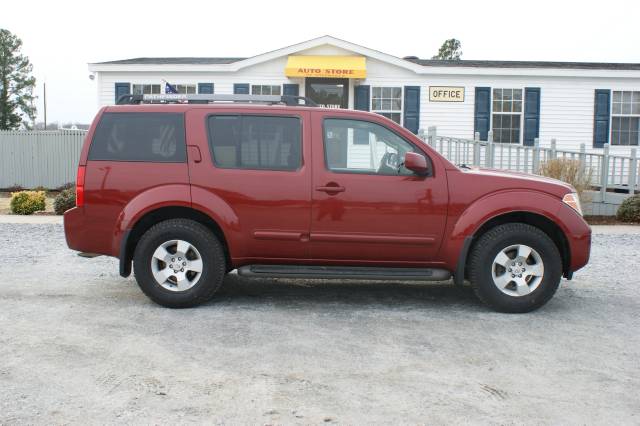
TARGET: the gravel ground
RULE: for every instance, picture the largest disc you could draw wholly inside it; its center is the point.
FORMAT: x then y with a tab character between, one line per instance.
79	344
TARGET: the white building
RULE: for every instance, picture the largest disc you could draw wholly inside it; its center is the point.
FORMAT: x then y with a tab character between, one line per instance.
591	103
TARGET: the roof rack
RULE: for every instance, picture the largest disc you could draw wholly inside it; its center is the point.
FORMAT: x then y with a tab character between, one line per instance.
208	99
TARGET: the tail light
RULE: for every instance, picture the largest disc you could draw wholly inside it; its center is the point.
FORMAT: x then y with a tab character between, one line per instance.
80	187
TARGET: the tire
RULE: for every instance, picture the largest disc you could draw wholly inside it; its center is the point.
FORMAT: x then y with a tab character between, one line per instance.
502	280
200	272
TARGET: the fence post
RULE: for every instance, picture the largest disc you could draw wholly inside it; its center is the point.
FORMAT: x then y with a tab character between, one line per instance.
489	152
633	171
476	149
604	171
582	158
552	153
432	132
422	134
536	156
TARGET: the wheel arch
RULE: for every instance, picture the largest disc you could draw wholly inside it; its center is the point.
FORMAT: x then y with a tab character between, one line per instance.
132	236
546	225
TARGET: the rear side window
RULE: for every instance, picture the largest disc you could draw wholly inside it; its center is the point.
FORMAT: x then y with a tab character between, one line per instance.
139	136
255	142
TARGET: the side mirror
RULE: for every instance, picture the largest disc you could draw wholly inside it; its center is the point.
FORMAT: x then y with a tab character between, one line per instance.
417	163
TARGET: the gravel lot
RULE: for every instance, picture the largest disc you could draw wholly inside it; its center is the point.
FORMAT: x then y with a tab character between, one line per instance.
79	344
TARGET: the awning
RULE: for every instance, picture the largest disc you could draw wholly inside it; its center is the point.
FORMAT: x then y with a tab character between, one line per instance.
326	66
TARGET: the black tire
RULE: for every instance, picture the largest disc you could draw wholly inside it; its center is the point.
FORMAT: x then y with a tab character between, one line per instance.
488	247
209	248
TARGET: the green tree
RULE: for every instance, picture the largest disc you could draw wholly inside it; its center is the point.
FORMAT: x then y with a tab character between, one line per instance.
16	84
450	50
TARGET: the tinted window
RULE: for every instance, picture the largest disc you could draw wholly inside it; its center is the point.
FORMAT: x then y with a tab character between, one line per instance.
154	137
255	142
354	146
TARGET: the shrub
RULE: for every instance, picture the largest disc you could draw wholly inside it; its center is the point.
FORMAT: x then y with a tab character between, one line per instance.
568	171
68	185
64	201
27	202
629	210
15	188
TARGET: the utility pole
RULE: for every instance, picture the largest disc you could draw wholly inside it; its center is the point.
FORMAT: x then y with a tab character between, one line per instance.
45	104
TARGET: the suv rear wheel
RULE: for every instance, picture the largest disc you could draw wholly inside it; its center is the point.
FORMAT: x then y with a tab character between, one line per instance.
515	267
179	263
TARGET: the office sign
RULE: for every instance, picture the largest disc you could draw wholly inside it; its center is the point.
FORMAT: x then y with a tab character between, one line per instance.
446	94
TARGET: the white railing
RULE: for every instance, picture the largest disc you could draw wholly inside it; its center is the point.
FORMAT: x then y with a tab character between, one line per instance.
608	171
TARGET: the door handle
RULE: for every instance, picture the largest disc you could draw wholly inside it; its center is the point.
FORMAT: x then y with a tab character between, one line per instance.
331	188
194	153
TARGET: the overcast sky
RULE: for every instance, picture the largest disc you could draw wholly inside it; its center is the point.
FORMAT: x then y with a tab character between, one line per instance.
61	37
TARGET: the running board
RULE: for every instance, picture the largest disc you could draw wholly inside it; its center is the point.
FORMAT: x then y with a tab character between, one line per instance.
344	272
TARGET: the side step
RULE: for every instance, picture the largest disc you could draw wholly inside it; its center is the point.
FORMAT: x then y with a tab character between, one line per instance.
344	272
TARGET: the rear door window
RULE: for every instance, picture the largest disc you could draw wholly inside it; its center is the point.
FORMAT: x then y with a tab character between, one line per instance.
140	136
255	142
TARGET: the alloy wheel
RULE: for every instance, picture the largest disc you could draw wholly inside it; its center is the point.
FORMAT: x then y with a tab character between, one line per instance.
517	270
176	265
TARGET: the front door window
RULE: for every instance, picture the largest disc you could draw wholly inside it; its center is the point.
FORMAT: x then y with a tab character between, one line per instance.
328	92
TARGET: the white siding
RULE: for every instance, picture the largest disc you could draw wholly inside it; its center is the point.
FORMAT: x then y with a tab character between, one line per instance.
566	110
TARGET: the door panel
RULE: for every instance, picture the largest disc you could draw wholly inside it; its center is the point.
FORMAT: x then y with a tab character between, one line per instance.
252	176
362	209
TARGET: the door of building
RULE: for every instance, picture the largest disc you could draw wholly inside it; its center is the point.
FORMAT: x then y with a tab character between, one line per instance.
328	92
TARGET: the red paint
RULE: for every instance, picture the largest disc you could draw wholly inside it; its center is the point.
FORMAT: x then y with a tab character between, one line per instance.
313	215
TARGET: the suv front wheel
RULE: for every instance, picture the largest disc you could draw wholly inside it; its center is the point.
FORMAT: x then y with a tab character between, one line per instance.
515	267
179	263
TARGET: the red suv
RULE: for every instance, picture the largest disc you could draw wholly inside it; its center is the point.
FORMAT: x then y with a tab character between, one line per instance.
191	187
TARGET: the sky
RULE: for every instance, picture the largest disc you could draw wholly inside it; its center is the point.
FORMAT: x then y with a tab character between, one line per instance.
61	37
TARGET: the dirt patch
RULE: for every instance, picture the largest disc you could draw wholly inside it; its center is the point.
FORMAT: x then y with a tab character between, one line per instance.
606	220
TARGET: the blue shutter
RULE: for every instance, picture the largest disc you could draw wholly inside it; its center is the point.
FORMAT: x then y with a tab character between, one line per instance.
205	88
122	89
601	117
291	89
482	113
241	88
362	94
531	115
412	108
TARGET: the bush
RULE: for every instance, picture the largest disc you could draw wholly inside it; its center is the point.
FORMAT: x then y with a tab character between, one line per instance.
64	201
27	202
68	185
15	188
568	171
629	210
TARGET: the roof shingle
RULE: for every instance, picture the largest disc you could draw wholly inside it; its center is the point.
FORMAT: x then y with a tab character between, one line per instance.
173	61
423	62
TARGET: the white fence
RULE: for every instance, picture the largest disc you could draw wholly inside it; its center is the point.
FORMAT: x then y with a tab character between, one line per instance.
608	171
50	158
39	158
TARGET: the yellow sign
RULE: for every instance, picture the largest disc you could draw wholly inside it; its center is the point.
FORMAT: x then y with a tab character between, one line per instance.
326	66
446	94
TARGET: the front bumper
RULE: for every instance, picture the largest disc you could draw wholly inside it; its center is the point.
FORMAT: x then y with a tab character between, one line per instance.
578	234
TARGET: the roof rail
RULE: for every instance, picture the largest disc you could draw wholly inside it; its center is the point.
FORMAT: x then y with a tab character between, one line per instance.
207	99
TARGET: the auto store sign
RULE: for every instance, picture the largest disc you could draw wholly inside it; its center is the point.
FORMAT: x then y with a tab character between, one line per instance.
446	94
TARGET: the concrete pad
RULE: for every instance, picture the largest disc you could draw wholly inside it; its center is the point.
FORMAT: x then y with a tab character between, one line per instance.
32	219
615	229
